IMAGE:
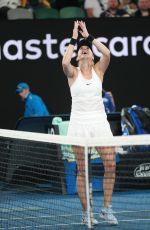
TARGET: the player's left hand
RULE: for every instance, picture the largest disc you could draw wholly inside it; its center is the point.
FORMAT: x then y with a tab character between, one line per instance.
83	30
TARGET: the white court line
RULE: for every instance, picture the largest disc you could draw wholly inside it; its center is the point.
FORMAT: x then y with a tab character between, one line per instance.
68	215
133	220
127	211
41	226
21	209
35	217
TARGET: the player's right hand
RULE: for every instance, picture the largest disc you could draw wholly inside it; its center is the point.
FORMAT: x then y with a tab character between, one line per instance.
75	30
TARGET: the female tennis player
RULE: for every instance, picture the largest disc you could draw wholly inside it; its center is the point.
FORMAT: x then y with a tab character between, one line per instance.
88	117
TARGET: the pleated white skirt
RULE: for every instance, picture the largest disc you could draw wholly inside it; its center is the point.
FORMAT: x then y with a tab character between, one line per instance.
89	124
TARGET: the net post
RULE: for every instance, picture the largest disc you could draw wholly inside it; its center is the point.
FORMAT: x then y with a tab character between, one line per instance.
87	186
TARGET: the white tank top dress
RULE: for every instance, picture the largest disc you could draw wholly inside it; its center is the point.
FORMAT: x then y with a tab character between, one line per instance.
88	117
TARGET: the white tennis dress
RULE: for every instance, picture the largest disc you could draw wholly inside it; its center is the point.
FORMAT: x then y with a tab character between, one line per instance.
88	117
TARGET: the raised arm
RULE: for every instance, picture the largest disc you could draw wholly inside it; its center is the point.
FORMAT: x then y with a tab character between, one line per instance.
68	68
103	63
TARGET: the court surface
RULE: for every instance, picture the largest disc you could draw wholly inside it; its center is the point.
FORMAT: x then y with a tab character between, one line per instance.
35	210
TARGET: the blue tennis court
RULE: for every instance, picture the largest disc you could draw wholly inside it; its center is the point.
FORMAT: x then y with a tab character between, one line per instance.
35	210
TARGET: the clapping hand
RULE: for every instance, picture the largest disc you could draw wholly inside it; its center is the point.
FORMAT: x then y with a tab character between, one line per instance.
75	30
83	30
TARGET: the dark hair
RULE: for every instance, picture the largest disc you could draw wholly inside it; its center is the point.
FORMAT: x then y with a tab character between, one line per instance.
84	42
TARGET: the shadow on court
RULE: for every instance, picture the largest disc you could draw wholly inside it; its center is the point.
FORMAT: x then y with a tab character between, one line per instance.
34	210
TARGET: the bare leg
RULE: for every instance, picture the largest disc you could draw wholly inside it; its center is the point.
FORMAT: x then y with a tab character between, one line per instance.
81	186
109	162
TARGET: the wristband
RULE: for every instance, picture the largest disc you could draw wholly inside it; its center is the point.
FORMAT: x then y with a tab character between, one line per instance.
90	38
73	41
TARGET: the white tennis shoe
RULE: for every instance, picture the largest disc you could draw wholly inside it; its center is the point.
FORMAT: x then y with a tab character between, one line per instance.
107	215
85	219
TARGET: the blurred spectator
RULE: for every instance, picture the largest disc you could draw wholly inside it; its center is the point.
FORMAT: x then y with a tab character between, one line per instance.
34	105
113	10
143	9
108	101
58	4
32	4
129	5
95	7
5	5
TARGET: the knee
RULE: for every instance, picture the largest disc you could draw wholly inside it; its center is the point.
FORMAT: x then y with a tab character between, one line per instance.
110	166
81	172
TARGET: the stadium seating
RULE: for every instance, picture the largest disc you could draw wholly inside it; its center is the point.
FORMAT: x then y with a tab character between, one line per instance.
45	13
72	12
19	13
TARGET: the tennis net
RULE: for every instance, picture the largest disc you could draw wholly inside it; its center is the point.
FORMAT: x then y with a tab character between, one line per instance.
38	174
